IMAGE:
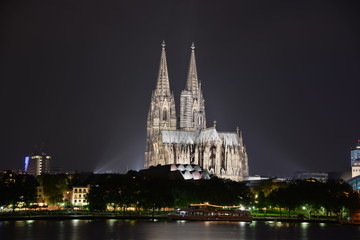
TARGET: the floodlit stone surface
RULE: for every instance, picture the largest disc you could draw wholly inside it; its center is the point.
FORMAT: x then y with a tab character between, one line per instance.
220	153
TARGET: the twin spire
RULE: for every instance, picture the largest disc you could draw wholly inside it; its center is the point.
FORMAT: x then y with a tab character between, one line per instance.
192	83
163	86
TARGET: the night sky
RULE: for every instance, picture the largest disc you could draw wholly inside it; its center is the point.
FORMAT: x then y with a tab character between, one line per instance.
78	76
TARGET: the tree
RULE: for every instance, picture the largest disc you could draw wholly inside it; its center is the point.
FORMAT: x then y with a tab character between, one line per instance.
16	189
97	198
54	185
155	193
26	188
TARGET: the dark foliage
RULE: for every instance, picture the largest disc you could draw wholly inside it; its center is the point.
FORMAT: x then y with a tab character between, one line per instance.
311	195
17	188
148	192
55	185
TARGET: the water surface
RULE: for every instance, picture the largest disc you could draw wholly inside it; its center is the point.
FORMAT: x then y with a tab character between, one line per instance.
135	229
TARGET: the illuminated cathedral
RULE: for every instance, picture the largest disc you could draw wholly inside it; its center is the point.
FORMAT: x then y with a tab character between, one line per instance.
188	140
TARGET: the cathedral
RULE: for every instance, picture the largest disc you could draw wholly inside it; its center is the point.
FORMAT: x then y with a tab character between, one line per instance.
188	140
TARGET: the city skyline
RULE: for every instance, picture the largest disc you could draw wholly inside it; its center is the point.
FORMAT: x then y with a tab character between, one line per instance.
79	78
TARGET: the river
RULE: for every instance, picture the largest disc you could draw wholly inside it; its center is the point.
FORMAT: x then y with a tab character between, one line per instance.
136	229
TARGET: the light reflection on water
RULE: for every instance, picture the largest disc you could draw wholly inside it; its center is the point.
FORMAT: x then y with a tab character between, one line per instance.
304	225
135	229
61	232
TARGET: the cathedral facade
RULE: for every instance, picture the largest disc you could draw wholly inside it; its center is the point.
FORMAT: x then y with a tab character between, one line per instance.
188	140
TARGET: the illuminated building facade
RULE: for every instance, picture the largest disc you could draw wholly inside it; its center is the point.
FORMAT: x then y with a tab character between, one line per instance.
354	181
36	164
220	153
40	197
355	160
78	196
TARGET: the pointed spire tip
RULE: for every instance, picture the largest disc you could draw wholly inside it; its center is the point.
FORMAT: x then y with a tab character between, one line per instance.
192	46
163	44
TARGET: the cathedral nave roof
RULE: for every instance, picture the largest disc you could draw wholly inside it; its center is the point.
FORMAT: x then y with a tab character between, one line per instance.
206	135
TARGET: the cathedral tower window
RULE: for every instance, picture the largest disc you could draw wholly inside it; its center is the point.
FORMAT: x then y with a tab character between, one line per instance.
165	118
212	155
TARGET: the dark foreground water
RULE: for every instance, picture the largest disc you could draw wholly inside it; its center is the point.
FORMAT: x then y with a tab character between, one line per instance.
135	229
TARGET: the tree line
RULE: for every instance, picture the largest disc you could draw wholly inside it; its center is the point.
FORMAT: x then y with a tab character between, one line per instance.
314	197
141	191
147	192
16	189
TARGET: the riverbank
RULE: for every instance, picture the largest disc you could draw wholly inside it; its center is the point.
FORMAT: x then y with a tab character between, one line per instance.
162	217
85	217
294	220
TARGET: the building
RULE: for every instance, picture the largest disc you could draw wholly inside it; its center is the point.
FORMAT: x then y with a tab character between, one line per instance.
78	195
354	181
188	140
355	160
319	176
40	197
36	164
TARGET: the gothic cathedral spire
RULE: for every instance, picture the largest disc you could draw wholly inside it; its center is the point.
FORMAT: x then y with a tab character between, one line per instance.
162	85
162	112
192	83
192	107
